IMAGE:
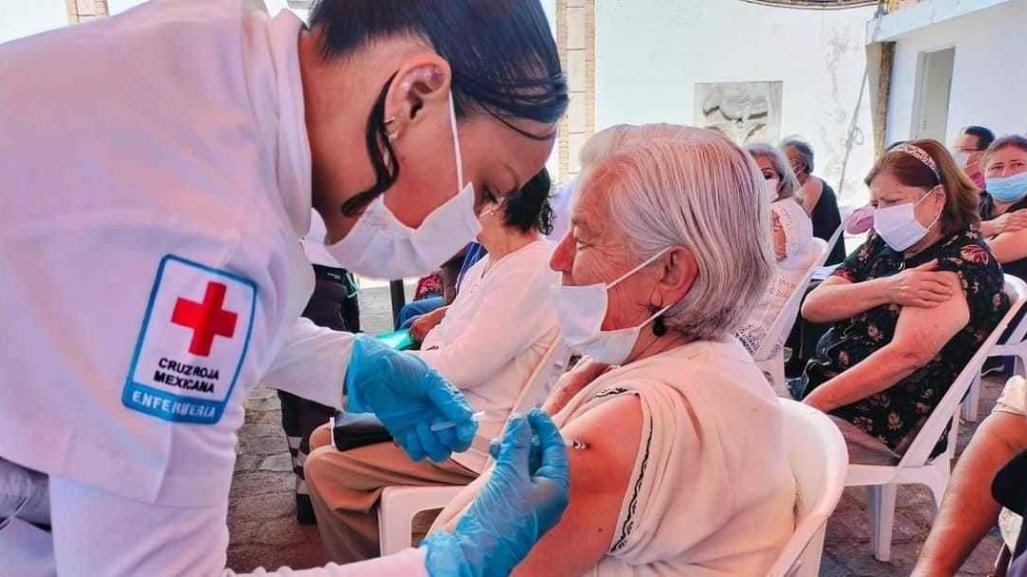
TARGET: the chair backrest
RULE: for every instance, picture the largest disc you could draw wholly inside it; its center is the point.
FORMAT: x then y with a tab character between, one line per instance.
778	332
837	234
537	388
819	461
1018	334
554	360
920	450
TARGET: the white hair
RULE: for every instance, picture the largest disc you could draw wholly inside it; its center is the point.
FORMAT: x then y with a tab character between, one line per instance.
670	185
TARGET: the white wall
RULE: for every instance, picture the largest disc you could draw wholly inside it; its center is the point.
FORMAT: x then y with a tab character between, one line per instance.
989	84
19	18
273	6
553	164
119	6
549	6
650	54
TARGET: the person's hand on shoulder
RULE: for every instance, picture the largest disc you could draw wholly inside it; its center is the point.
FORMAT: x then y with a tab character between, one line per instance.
1013	221
924	286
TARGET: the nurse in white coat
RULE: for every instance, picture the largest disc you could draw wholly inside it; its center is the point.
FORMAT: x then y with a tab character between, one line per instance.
157	170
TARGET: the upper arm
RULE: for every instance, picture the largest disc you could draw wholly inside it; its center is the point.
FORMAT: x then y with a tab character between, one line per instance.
599	480
1009	246
922	332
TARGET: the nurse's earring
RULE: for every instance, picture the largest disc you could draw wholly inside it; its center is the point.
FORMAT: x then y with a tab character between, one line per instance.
378	140
389	133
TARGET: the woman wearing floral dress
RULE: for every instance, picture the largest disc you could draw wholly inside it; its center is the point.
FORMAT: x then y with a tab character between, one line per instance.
909	307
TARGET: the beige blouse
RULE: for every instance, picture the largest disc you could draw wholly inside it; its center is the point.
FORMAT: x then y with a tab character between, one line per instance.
711	493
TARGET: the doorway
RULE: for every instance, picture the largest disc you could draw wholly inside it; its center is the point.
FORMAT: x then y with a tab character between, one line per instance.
934	86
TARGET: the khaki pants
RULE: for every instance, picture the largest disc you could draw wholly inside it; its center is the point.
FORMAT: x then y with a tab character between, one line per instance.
865	449
345	488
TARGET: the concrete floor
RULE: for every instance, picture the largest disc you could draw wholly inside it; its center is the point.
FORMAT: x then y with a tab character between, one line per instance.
264	531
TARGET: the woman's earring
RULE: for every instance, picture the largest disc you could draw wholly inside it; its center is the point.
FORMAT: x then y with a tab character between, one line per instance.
659	326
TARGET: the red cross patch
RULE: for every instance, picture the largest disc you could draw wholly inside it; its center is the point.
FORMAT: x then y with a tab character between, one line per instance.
192	344
206	319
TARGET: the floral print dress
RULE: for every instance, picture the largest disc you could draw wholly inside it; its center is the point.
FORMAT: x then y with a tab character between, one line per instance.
895	415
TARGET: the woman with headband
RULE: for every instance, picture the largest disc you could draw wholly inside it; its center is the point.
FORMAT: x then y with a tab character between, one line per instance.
908	308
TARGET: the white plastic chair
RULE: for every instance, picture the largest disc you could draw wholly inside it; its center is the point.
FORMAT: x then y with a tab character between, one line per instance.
1015	346
819	459
400	504
770	358
916	465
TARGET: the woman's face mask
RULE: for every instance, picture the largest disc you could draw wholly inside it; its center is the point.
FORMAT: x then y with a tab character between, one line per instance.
773	188
581	310
1006	175
381	246
898	225
1008	189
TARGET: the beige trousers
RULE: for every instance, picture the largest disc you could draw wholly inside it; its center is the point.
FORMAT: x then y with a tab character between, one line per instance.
865	449
345	488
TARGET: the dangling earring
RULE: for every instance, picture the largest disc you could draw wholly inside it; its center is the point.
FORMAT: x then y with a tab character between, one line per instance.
659	326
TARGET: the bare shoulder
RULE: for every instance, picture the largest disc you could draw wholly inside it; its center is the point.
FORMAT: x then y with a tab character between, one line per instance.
612	432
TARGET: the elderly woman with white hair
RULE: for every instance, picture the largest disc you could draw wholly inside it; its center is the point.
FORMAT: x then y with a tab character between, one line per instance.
684	469
791	236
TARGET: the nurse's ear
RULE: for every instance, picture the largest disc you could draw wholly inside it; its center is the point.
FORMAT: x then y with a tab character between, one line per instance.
421	85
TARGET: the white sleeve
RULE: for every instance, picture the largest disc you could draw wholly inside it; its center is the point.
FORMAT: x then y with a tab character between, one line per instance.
796	224
407	563
312	364
512	315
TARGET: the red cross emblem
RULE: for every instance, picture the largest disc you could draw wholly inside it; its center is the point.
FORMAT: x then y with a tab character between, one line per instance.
206	319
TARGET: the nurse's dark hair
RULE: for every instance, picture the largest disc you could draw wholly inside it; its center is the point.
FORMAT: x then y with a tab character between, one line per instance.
501	52
529	208
961	195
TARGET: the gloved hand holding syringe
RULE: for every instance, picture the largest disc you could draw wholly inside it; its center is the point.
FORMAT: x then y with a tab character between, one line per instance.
495	415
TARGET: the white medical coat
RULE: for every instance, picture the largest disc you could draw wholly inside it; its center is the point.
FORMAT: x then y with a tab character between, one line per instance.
154	183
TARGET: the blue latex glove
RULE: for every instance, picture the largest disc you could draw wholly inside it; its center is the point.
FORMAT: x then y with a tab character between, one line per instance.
408	397
515	508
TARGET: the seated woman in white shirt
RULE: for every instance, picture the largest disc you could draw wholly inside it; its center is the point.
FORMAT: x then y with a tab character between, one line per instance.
685	471
791	236
490	342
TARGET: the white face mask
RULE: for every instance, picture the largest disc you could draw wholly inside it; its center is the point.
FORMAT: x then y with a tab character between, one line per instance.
898	225
580	310
961	158
773	185
381	246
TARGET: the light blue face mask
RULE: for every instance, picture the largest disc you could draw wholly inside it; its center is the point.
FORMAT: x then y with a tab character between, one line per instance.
1008	188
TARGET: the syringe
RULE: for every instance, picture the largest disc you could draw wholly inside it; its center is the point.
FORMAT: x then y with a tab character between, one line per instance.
501	416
